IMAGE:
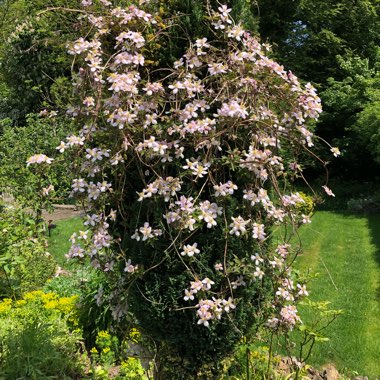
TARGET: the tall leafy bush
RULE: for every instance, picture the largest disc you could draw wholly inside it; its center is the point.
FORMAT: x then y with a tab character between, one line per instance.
184	172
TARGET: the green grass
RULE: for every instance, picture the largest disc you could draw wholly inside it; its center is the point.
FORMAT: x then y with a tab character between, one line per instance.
59	243
345	251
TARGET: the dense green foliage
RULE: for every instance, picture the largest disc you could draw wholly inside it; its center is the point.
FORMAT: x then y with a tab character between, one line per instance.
351	116
310	34
36	339
32	55
173	328
335	46
40	134
25	263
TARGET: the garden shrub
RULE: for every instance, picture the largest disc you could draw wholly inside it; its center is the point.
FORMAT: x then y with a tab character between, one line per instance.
95	315
29	186
90	286
307	206
369	204
36	340
32	55
25	263
183	172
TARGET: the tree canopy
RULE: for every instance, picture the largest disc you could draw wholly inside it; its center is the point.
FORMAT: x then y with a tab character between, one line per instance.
333	44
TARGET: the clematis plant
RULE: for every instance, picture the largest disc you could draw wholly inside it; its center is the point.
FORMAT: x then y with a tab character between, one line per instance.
182	171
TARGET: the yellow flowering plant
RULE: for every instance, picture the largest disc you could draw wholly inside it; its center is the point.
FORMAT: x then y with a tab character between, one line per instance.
40	337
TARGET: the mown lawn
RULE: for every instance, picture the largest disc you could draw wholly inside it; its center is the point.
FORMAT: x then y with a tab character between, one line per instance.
345	251
59	243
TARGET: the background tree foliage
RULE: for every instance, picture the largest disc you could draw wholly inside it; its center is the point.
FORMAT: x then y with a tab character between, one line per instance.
32	54
350	117
333	44
314	33
40	134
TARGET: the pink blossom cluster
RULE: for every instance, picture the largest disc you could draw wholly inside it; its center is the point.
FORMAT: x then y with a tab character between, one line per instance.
288	318
167	187
224	189
39	159
146	232
213	309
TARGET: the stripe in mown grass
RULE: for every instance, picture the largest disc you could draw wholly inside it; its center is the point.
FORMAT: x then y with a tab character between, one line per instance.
373	327
342	249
